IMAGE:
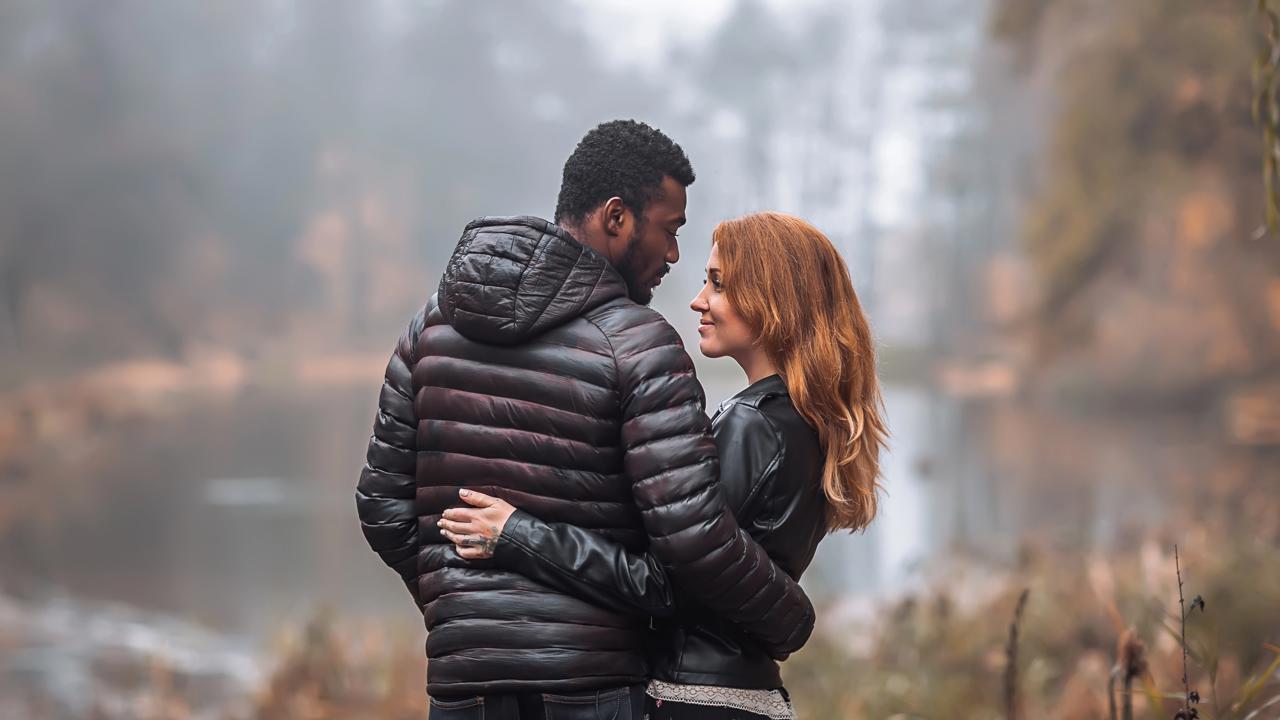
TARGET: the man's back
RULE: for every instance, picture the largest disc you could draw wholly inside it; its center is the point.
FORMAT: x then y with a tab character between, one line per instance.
510	386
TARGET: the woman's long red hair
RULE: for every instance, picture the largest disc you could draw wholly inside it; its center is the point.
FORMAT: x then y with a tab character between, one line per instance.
790	285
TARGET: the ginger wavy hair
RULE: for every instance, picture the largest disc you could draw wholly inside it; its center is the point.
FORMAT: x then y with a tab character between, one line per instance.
789	284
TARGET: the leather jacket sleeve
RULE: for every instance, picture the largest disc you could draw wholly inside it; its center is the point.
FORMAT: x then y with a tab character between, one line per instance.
598	569
586	564
671	462
387	488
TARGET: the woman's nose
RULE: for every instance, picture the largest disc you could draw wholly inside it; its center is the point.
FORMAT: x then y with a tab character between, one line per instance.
699	303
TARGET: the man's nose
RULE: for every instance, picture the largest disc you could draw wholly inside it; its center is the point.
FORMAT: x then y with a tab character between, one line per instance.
673	253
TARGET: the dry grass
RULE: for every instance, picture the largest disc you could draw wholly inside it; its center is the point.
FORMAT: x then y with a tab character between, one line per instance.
1088	620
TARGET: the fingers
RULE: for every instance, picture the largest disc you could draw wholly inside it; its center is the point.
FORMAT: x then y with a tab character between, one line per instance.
463	515
470	547
455	538
478	499
459	528
473	553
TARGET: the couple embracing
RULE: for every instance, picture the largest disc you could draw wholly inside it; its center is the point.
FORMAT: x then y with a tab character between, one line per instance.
581	539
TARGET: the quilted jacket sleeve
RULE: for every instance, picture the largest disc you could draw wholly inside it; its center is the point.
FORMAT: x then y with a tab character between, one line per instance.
386	490
672	464
694	539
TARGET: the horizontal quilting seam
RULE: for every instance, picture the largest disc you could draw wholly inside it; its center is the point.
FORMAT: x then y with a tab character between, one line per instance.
386	471
658	378
470	650
517	462
535	433
568	623
601	529
387	383
390	419
539	341
390	473
667	502
633	448
391	523
652	348
557	376
601	504
637	310
502	591
531	344
590	418
562	346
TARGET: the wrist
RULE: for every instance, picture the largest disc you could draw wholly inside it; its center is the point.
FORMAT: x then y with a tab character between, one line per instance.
513	537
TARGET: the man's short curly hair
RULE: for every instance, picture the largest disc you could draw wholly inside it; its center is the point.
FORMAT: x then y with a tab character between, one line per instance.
626	158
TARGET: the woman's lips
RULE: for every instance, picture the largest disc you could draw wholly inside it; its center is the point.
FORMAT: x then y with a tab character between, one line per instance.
705	326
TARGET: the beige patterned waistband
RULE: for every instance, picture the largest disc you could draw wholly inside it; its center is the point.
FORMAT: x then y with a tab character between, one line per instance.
769	703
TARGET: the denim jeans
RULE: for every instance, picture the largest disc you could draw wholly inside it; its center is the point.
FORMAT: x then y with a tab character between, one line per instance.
619	703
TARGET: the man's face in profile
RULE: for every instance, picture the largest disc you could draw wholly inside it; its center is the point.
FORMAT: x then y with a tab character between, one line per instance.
652	248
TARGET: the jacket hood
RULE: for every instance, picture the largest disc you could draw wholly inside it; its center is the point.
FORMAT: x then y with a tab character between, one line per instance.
513	278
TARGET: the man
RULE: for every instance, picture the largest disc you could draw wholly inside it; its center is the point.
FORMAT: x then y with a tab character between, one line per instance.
537	374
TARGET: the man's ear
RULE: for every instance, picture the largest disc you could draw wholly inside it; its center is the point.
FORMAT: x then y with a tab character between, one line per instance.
616	217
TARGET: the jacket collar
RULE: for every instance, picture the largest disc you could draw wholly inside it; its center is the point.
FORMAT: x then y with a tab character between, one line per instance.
757	391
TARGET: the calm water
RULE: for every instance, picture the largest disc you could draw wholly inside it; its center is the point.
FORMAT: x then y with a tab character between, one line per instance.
240	517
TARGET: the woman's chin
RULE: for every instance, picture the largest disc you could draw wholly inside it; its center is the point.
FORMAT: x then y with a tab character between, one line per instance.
709	349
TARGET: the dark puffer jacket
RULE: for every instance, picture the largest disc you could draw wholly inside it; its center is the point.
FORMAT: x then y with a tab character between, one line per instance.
534	378
771	471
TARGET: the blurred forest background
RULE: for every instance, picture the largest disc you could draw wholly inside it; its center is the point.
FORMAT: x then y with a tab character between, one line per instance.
215	219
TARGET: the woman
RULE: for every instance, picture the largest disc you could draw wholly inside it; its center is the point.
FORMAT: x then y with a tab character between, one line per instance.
799	457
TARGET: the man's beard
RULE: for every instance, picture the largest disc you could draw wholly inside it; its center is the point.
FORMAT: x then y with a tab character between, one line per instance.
639	291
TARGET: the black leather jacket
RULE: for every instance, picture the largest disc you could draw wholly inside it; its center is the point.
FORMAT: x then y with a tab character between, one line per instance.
532	377
771	472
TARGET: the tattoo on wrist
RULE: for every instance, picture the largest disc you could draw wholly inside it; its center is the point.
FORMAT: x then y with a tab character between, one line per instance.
479	541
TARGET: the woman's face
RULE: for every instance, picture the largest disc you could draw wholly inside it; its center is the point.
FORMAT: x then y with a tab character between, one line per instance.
721	331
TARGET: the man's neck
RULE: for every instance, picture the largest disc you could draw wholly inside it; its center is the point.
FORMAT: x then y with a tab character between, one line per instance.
589	240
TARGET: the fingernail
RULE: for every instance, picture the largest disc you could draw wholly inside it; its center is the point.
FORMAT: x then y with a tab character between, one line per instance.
464	492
